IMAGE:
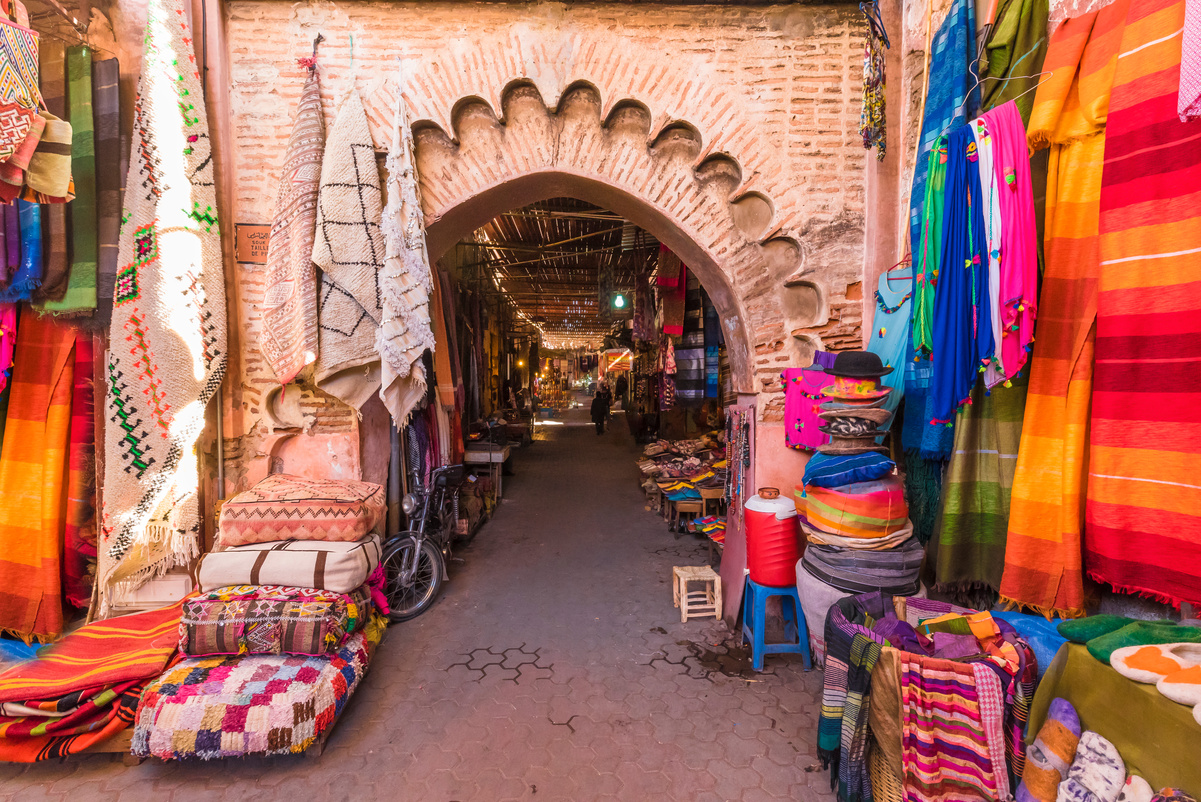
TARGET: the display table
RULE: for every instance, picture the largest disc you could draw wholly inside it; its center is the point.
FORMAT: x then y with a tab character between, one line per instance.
494	457
1158	739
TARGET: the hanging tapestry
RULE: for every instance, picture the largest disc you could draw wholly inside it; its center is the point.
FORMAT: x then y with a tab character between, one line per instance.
167	340
975	492
106	109
690	352
405	331
804	392
349	249
669	268
712	346
80	295
32	469
79	549
1012	58
289	340
1143	520
1042	546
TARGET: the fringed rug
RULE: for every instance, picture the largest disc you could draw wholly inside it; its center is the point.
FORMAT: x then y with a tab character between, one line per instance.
349	249
290	301
32	469
218	707
167	339
407	282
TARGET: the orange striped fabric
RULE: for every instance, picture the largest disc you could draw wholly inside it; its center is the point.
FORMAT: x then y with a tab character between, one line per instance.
863	510
1143	524
1042	555
110	652
33	467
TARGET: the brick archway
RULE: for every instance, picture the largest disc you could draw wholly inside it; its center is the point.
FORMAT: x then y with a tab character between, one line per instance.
658	179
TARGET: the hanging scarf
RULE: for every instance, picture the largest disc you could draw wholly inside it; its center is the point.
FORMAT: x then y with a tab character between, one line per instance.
79	548
1188	105
106	107
1042	548
991	205
24	274
1013	55
289	340
405	328
872	117
79	298
1144	495
169	314
962	329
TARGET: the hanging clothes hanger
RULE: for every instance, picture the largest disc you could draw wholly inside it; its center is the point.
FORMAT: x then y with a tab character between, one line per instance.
872	12
904	264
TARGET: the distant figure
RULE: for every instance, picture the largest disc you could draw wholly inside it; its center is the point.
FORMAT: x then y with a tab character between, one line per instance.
600	411
620	387
606	392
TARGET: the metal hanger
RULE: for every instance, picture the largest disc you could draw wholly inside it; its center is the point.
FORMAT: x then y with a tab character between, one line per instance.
872	12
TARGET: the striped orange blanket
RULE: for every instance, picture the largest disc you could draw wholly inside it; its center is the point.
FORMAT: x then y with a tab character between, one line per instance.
1143	527
1042	552
32	471
86	687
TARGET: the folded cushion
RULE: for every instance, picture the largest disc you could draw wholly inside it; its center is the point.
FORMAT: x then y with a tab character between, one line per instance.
865	509
336	566
894	571
270	619
283	507
835	470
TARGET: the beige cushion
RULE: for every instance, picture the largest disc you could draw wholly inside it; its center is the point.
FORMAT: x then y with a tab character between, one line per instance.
340	567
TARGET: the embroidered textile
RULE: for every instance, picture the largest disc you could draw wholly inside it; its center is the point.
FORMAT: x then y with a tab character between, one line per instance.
349	249
33	466
167	340
289	340
218	707
1143	519
872	116
284	507
269	619
890	332
19	95
803	397
1042	548
404	332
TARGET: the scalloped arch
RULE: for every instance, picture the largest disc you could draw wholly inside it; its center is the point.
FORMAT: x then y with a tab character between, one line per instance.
653	172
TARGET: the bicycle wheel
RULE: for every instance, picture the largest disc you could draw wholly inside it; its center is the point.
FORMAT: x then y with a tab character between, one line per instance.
411	600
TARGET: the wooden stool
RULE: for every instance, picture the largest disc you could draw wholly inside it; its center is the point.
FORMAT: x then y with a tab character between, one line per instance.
700	603
714	496
689	507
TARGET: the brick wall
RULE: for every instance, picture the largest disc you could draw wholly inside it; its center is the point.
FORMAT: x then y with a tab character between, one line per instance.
741	142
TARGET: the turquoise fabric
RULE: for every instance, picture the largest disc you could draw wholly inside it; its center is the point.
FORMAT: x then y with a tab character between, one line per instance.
890	332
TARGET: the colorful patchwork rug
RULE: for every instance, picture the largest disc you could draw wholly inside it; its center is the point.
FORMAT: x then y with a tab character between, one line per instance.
218	707
167	340
289	340
1042	550
1143	520
404	333
85	688
349	249
33	465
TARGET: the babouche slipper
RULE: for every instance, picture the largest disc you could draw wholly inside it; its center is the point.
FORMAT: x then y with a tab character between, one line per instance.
1050	756
1097	774
1151	663
1136	789
1183	686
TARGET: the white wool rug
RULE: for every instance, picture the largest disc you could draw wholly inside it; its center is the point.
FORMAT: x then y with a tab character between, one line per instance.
167	340
349	249
405	331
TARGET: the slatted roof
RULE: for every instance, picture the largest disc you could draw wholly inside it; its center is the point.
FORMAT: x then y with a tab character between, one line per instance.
548	257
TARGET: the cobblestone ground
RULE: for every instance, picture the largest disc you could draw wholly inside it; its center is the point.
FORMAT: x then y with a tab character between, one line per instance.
554	667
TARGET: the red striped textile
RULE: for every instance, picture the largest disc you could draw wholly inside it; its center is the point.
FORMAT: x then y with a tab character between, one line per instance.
1143	516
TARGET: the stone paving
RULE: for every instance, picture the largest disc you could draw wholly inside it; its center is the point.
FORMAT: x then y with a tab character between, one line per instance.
554	667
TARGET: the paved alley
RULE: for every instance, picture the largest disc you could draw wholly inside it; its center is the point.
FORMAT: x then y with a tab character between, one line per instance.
554	667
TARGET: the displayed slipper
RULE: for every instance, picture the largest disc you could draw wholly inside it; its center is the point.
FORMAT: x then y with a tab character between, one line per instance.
1050	757
1098	772
1149	664
1141	633
1183	686
1082	630
1197	714
1136	789
1173	795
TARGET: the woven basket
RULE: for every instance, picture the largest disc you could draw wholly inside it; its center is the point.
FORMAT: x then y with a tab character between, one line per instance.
886	786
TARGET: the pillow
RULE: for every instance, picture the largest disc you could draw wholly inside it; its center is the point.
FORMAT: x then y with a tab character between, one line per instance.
283	507
835	470
270	619
340	567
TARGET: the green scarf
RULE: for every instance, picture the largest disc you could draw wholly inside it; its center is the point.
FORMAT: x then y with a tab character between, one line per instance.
926	269
1016	47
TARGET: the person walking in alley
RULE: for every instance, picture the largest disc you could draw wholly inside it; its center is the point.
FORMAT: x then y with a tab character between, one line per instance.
600	411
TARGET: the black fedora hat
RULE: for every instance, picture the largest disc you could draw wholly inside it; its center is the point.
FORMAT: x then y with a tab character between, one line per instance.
858	365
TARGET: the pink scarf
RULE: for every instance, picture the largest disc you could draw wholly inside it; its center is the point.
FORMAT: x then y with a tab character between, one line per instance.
1019	244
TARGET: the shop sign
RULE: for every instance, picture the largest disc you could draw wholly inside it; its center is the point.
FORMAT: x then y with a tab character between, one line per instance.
250	243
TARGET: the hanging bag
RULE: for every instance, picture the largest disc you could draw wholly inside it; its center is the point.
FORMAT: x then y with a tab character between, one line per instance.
19	94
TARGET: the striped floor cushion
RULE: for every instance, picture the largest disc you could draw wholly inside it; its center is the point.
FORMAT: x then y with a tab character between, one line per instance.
284	507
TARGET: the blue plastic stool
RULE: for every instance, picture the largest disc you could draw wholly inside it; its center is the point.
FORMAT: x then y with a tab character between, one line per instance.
754	620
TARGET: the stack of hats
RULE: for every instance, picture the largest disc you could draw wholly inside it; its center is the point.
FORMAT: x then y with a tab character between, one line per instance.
855	413
851	502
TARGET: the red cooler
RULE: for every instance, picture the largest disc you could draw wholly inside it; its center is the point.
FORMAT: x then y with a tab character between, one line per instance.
772	539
